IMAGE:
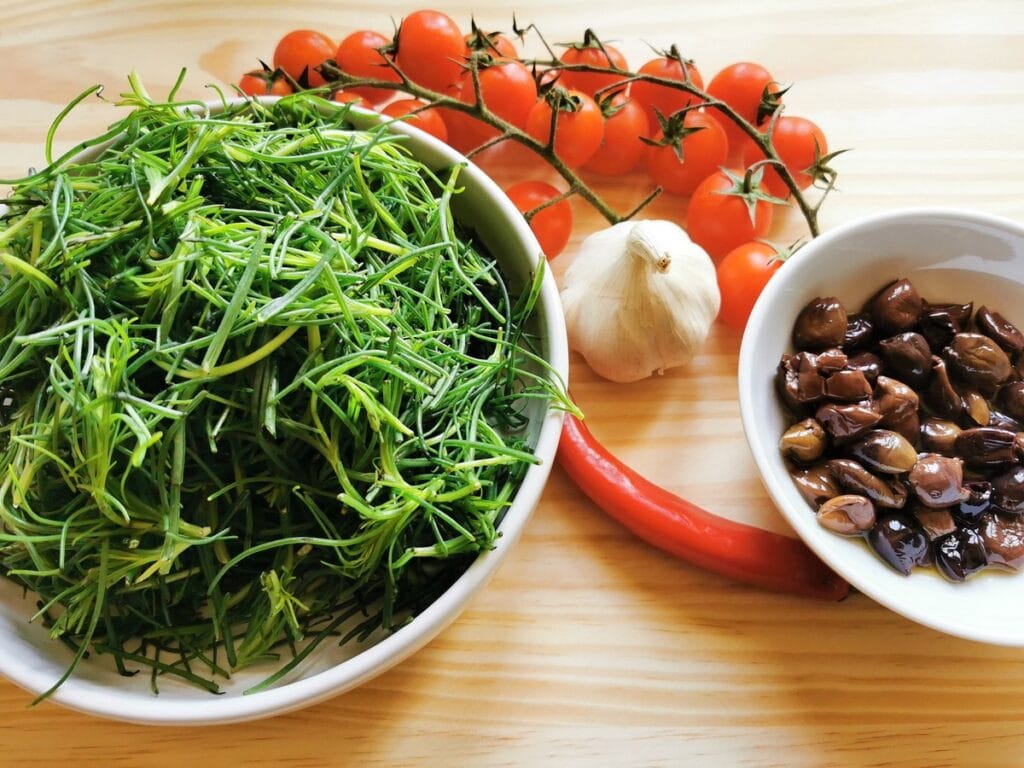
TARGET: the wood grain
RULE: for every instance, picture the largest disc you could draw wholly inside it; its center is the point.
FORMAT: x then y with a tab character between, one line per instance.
590	648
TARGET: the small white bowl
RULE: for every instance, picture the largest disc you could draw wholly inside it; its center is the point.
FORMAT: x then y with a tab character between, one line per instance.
948	255
31	660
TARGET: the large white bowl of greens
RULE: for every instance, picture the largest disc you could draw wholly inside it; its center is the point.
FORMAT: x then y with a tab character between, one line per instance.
281	387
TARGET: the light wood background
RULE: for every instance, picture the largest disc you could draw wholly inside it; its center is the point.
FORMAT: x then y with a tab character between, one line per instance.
589	647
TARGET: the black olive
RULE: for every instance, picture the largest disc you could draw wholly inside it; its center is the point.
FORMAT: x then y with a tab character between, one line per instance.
1004	539
938	328
1008	491
978	360
1011	399
820	324
960	314
805	441
798	381
896	307
935	522
976	410
899	539
960	553
938	480
867	363
986	446
1003	421
847	386
907	356
1000	330
816	484
829	361
847	422
848	514
938	435
976	503
859	330
853	477
885	451
895	400
940	394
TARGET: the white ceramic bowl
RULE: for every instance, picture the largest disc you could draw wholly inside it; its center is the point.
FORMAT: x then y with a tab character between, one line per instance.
34	662
948	255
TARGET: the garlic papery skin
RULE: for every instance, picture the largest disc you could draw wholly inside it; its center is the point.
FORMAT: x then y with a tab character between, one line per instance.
639	297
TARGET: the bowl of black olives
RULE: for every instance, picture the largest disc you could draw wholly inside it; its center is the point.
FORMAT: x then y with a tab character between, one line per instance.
881	383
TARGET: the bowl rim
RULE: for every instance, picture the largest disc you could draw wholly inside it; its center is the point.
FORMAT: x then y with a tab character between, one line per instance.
103	701
772	481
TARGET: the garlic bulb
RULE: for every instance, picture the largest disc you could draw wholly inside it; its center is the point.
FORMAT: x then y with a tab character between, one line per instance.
640	297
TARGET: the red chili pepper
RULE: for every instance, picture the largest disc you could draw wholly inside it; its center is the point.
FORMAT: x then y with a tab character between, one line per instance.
661	518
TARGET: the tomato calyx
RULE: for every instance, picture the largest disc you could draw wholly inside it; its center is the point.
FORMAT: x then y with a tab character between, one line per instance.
822	174
481	41
674	130
771	102
559	98
673	54
749	189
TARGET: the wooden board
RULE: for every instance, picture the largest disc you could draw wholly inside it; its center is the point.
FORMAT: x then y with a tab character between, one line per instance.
589	647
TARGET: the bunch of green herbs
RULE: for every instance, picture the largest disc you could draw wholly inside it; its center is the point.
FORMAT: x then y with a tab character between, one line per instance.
260	389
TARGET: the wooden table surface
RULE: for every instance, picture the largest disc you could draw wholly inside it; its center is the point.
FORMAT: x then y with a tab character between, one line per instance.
589	647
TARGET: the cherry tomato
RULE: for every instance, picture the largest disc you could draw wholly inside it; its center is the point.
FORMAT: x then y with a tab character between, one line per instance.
741	86
508	89
553	225
431	49
590	82
344	97
427	120
359	55
742	275
719	221
303	51
665	100
578	132
621	148
493	43
795	140
465	133
260	83
704	151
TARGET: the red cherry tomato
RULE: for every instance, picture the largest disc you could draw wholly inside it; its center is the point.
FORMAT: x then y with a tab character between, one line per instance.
303	51
345	97
359	55
591	82
719	221
578	132
621	148
741	86
742	275
262	83
553	225
427	120
508	89
493	43
704	151
795	140
662	98
431	49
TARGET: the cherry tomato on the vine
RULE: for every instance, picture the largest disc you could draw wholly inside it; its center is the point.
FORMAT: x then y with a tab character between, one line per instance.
427	120
260	83
742	275
431	49
553	225
621	148
508	90
303	50
344	97
741	86
359	55
719	219
578	131
662	98
589	52
795	140
704	151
